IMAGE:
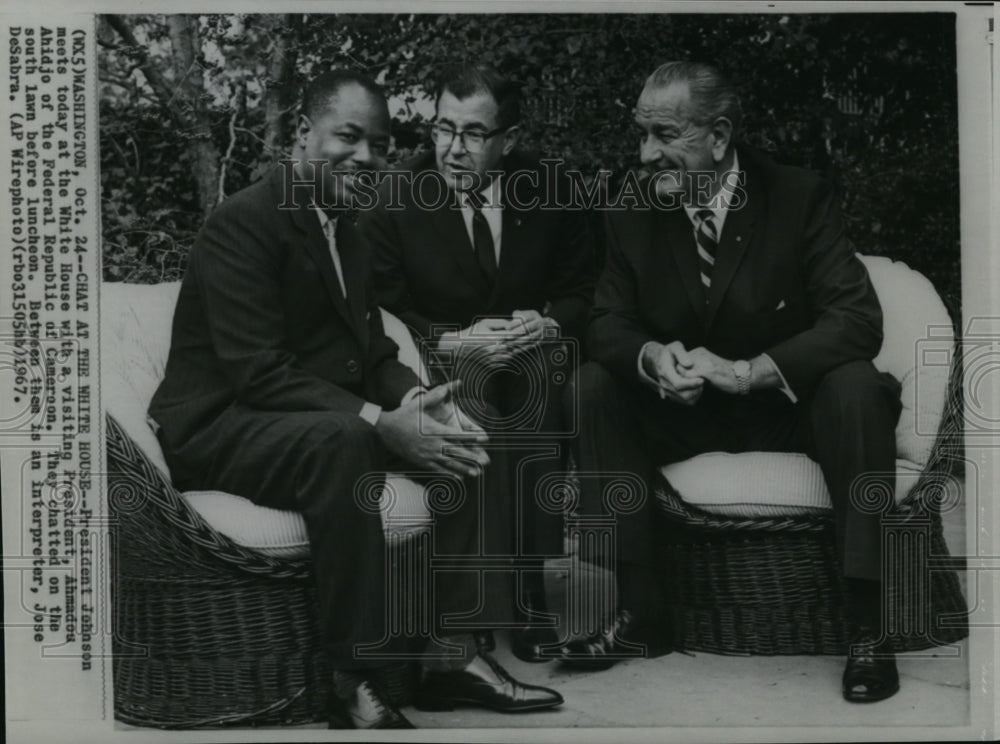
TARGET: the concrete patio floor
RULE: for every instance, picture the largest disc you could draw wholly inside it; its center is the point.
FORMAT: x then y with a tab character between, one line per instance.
709	690
682	692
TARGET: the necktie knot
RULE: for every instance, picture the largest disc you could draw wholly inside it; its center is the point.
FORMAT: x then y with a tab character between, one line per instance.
707	218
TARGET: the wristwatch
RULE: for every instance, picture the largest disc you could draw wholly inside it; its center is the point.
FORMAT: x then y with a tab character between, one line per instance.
741	368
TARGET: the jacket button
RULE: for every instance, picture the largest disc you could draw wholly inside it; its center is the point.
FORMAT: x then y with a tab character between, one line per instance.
353	366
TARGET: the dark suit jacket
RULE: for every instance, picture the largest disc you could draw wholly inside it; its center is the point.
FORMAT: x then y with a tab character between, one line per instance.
261	320
425	269
786	282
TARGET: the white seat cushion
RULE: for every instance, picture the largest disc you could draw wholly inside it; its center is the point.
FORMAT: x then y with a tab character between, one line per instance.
916	350
763	484
282	533
136	322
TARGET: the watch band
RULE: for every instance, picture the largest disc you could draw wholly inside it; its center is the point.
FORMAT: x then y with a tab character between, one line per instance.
742	372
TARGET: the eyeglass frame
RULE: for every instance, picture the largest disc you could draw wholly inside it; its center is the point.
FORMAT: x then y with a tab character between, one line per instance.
437	127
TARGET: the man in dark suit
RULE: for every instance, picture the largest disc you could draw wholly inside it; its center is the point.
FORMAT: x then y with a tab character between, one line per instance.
734	317
282	387
494	279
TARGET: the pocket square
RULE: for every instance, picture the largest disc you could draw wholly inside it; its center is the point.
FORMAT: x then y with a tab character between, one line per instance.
780	305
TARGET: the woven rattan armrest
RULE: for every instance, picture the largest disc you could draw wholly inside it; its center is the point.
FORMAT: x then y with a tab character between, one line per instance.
173	536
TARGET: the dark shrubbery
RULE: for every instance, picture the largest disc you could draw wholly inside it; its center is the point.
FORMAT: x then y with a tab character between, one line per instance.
868	100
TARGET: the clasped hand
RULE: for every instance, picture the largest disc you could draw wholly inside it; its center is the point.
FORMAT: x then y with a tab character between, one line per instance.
680	375
492	341
432	432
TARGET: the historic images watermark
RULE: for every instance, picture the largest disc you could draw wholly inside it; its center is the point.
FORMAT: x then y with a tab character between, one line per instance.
554	188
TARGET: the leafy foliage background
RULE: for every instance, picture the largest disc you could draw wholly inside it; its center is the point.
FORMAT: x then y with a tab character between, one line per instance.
196	107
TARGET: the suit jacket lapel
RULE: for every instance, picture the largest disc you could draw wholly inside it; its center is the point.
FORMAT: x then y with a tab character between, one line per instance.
316	245
513	239
352	263
737	233
674	227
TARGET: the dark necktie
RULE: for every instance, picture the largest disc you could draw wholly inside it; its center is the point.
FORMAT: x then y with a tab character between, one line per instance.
482	241
707	238
330	229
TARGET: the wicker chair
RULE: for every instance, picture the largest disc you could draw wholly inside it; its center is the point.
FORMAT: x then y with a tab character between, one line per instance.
208	630
769	584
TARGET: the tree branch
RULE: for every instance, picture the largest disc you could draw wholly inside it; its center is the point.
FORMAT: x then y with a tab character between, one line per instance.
121	153
227	158
120	82
250	133
154	77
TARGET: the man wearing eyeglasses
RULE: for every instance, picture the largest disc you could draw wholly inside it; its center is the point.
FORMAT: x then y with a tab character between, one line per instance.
282	387
495	279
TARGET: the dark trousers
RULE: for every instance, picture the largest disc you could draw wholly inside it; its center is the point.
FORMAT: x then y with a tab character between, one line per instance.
520	404
847	424
317	463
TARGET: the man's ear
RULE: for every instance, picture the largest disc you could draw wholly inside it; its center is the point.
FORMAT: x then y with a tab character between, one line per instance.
510	138
302	129
722	135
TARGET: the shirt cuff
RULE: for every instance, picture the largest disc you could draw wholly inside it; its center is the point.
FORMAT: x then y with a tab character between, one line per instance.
370	413
412	393
643	375
784	383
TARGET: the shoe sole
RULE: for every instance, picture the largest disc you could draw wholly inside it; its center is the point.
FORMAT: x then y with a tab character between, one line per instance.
589	665
348	724
534	658
865	697
600	663
441	705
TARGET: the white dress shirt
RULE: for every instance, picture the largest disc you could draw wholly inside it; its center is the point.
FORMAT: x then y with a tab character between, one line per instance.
329	225
493	212
369	411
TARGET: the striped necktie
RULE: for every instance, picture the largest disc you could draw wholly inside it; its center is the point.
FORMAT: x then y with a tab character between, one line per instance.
707	237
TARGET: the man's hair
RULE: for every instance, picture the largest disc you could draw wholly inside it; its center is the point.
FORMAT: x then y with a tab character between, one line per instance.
712	94
323	88
465	81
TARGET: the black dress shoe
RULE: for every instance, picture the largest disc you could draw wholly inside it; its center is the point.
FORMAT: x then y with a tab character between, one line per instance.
483	683
485	641
367	708
535	644
624	639
870	674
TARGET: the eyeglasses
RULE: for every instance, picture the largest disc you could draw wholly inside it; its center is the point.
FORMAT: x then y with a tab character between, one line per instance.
473	141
